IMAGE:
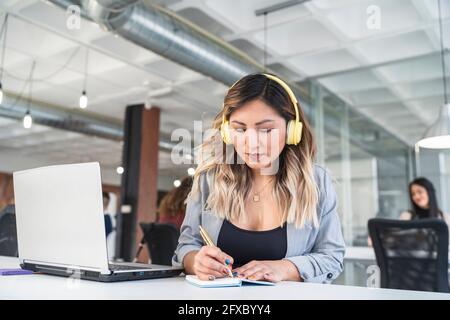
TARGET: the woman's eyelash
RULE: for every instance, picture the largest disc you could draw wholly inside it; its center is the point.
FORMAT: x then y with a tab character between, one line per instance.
261	130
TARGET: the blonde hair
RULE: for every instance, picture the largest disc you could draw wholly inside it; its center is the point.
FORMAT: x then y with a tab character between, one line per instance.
295	189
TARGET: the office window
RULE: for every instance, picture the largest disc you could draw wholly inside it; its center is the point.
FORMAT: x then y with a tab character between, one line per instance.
371	168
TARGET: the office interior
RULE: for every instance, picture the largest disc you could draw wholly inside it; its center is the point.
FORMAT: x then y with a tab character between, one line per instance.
371	76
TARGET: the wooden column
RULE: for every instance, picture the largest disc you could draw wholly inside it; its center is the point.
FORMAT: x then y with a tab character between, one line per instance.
139	181
6	190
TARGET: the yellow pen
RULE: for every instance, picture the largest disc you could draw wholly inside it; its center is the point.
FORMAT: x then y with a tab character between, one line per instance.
207	240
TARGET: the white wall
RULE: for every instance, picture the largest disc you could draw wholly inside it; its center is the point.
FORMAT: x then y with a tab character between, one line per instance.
435	166
12	161
444	195
364	192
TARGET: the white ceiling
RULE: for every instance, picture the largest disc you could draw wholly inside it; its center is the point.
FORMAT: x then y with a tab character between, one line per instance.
325	40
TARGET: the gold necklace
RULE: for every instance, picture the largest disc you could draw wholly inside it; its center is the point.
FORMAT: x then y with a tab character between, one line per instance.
256	197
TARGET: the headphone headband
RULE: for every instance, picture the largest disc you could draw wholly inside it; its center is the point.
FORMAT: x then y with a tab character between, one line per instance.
288	91
286	88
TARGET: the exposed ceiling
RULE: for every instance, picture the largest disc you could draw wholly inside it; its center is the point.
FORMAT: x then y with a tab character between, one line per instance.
391	74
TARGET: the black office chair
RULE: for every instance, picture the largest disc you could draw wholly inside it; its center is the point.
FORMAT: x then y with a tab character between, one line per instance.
161	240
412	255
8	232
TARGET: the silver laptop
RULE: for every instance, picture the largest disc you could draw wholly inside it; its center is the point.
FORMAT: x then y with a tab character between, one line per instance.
61	228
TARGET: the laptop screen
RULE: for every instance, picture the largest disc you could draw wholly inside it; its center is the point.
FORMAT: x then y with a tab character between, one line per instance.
59	213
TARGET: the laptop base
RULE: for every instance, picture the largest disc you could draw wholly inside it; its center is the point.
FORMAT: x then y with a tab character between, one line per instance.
97	276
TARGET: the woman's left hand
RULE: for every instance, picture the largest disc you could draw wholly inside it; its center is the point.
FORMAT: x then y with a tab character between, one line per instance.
273	271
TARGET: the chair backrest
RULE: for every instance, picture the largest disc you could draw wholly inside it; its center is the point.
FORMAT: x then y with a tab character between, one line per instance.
412	255
8	233
162	240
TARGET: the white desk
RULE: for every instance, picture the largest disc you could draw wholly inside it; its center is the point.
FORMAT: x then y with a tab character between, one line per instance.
50	287
361	254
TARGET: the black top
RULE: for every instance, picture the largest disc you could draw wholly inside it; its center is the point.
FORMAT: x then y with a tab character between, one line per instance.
246	245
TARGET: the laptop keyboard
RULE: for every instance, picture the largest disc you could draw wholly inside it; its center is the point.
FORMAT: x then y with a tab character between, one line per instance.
120	267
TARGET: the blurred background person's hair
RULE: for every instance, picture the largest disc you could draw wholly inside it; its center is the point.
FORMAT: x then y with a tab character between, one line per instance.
173	207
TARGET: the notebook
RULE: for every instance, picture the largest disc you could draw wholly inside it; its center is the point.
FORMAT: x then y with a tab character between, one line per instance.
224	282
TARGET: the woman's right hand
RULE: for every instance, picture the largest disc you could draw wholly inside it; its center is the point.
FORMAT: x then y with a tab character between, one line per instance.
210	263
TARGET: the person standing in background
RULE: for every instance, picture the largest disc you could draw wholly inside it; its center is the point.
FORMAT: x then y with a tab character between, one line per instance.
108	219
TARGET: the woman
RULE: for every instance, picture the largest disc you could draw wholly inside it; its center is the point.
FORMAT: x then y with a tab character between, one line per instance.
423	202
266	206
172	208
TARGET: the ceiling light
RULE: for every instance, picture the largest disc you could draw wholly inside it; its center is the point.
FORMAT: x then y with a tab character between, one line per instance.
83	100
27	120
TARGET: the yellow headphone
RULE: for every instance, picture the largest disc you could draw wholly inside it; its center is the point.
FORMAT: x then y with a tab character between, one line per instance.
294	127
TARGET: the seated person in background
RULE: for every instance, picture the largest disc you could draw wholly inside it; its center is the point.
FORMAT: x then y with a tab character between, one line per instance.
108	219
423	202
173	207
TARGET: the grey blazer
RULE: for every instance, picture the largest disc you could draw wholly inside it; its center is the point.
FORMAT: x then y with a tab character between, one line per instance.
317	253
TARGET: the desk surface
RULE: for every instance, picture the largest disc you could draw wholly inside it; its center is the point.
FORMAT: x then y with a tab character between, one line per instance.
40	286
360	254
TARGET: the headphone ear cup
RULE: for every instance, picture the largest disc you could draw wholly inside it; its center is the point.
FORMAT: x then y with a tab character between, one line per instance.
290	132
294	132
298	133
225	133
